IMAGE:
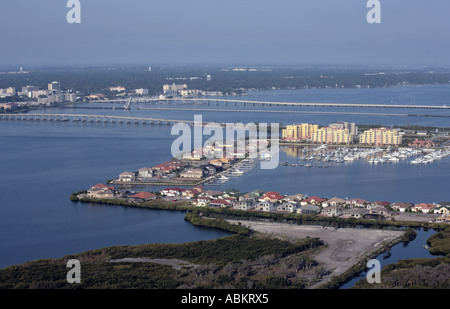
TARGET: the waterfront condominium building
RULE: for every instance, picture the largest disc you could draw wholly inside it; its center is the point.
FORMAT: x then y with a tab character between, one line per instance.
297	132
54	86
350	126
332	135
380	137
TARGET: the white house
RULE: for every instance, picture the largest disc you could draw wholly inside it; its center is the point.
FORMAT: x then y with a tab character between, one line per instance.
127	177
171	192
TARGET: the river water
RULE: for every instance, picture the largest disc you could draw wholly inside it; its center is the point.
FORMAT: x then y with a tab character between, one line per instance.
401	251
42	163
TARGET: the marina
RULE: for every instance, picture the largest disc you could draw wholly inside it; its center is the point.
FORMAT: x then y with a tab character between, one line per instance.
431	157
237	170
326	156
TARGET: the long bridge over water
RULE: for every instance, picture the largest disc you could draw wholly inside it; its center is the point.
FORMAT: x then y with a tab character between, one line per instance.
208	101
86	118
180	109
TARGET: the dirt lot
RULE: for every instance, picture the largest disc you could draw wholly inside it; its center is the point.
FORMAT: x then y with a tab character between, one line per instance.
415	217
345	247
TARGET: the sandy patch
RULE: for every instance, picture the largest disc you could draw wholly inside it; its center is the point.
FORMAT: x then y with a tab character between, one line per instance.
175	263
346	246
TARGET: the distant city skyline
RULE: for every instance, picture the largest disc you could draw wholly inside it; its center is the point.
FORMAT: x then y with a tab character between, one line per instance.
233	32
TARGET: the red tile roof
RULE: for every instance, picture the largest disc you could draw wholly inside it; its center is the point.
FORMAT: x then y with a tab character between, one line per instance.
220	201
315	198
144	195
425	206
174	189
100	185
273	195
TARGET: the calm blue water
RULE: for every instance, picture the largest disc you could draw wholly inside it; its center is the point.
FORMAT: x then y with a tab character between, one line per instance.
405	95
42	163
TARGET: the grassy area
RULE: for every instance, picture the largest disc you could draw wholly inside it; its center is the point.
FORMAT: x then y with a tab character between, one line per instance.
413	274
235	261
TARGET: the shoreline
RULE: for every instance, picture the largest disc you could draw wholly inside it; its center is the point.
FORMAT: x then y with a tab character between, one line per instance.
346	248
199	216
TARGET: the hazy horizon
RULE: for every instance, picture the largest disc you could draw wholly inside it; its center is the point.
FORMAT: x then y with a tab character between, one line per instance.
202	32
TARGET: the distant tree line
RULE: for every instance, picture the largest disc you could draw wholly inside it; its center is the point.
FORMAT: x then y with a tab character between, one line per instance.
99	79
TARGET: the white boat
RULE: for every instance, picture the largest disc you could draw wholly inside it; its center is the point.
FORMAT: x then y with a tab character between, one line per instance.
237	172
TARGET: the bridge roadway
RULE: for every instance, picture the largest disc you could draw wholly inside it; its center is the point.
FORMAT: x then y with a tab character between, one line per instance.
92	118
252	102
180	109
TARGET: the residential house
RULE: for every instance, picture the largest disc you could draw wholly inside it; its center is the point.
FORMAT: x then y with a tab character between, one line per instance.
288	207
265	206
332	211
335	201
212	193
201	201
193	173
145	173
308	210
357	202
101	191
271	196
217	163
380	203
193	192
356	213
442	219
401	206
142	197
423	207
209	170
245	204
127	177
168	167
378	212
421	144
232	193
171	192
313	200
294	198
255	195
220	203
443	210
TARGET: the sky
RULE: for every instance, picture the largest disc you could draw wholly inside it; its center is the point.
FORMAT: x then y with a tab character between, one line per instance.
411	32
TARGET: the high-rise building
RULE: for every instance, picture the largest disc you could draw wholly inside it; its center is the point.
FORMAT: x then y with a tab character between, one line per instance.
350	126
332	135
299	131
380	137
54	86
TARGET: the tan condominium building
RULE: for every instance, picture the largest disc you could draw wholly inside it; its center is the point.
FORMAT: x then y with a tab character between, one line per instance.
329	135
380	137
299	131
